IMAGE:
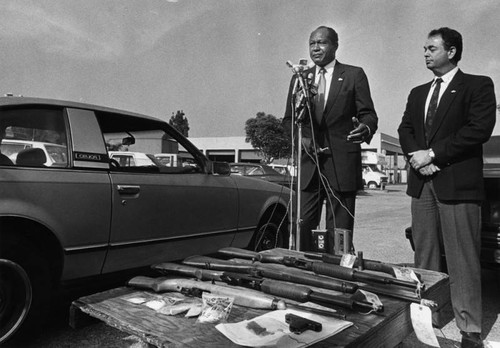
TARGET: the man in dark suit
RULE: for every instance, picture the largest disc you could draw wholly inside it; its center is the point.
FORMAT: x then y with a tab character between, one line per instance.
341	118
445	123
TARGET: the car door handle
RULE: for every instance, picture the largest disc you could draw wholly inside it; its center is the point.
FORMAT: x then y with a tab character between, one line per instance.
128	189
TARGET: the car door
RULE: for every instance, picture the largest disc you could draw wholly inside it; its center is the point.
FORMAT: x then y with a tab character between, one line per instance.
167	213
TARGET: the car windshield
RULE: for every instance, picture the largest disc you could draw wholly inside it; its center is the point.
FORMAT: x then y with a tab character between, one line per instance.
374	168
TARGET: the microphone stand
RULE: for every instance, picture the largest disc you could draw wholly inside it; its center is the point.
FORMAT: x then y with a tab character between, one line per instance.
301	102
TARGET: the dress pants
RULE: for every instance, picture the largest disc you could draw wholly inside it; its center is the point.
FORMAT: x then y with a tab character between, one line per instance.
339	213
456	225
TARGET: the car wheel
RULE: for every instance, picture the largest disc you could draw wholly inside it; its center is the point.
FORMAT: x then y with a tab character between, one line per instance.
24	291
271	234
372	185
15	298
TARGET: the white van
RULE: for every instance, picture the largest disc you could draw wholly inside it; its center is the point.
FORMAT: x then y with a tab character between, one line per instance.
373	178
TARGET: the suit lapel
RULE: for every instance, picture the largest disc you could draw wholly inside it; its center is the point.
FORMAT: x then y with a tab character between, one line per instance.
337	81
445	102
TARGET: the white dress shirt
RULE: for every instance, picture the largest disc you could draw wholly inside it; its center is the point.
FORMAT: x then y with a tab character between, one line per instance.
328	76
446	81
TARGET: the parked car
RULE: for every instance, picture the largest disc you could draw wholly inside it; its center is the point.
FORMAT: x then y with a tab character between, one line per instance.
373	178
91	216
132	159
55	154
181	159
283	169
490	209
261	171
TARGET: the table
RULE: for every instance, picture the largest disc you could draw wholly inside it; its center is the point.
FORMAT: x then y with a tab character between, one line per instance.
386	329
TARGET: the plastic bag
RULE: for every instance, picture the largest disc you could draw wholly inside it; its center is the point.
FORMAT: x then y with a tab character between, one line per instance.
215	309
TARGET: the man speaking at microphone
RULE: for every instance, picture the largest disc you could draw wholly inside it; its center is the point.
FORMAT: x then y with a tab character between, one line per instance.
342	117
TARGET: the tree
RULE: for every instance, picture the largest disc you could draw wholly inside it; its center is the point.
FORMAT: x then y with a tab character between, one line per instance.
180	122
267	135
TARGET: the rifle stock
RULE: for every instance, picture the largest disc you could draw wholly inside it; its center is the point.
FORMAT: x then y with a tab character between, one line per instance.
242	297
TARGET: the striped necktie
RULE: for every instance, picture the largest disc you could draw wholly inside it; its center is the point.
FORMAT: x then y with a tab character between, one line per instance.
319	105
431	111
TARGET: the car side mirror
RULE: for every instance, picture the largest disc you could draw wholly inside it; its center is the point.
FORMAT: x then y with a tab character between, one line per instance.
221	168
128	141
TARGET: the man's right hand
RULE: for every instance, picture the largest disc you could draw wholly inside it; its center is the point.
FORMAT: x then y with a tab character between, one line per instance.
429	169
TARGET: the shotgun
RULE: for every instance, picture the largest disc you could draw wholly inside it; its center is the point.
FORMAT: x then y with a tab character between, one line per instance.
296	292
242	297
370	265
168	268
318	267
284	273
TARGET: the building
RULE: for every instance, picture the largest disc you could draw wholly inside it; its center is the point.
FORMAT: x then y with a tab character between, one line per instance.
235	149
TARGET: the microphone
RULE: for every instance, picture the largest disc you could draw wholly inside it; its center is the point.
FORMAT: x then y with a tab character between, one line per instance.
298	68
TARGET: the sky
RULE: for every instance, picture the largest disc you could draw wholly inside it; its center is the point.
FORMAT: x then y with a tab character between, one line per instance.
223	61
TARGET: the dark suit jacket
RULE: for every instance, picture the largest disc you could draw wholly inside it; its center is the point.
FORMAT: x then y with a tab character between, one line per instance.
463	122
349	96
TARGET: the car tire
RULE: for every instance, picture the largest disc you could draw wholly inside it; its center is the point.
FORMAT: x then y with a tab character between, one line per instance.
15	298
271	233
372	185
24	291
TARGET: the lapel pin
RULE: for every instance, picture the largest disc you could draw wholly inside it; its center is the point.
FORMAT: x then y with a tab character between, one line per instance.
341	79
453	91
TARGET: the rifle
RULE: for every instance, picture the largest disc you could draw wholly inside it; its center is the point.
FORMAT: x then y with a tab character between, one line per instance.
296	292
167	268
242	297
367	264
322	268
285	274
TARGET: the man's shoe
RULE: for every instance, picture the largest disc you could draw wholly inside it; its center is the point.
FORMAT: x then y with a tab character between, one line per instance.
471	340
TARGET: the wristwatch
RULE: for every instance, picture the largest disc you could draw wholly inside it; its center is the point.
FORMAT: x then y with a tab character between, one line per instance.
432	155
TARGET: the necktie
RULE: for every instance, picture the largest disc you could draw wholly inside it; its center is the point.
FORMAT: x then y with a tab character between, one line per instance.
431	111
320	97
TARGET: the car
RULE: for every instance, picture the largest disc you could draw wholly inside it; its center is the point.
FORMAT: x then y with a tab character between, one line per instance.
55	154
132	159
262	172
373	178
490	207
92	217
283	169
180	159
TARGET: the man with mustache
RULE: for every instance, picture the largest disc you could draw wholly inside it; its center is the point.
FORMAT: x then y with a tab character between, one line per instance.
445	123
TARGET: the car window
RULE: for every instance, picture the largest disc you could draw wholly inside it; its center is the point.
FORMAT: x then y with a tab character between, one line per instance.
238	169
33	137
124	160
281	170
139	145
256	171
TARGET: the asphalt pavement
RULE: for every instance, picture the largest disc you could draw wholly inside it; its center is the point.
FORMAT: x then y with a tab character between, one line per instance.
381	218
